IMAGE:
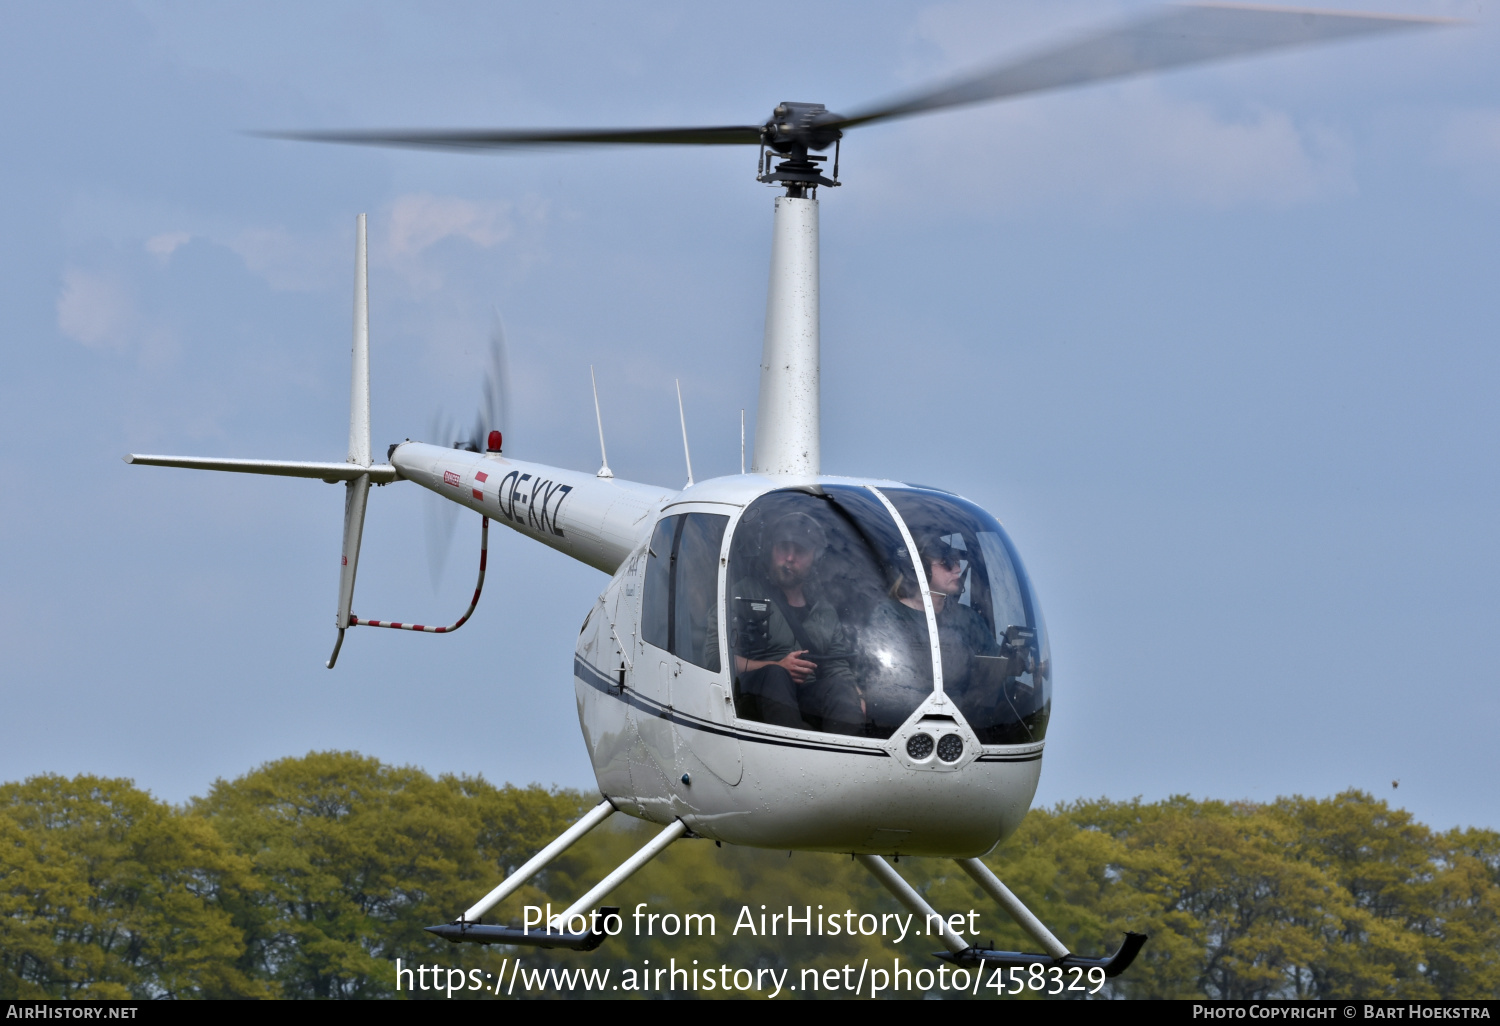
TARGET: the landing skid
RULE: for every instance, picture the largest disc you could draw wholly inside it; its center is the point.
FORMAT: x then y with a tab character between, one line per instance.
479	933
467	929
960	952
1113	965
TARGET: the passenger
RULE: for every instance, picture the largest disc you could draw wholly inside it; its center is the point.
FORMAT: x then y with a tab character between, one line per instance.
792	657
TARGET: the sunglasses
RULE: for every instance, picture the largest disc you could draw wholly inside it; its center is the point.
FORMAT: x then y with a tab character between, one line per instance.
949	563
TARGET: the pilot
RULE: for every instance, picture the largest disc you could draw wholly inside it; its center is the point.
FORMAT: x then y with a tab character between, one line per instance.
792	658
962	632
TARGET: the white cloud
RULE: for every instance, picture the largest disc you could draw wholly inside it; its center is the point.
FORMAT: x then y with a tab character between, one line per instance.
96	309
288	262
405	240
420	220
162	246
417	222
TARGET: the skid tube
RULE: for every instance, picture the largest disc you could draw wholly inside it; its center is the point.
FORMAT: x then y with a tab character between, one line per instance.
1112	965
479	933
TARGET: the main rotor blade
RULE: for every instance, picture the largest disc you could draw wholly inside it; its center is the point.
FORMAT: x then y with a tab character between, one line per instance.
1173	38
486	139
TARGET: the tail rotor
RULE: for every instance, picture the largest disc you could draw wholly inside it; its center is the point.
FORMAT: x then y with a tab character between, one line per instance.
440	516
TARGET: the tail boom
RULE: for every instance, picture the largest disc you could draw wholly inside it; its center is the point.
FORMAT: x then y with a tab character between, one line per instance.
597	521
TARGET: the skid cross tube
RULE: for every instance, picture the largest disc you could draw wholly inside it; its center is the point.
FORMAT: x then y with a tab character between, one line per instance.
559	936
569	837
991	885
625	870
1057	952
914	902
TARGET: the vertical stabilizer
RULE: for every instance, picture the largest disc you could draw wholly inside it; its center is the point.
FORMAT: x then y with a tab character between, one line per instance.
357	491
359	383
787	425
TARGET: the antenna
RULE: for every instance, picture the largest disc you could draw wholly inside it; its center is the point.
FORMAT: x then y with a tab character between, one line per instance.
742	440
683	417
604	470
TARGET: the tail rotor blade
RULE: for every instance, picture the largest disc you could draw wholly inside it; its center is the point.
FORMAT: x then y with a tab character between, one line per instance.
439	515
494	405
439	518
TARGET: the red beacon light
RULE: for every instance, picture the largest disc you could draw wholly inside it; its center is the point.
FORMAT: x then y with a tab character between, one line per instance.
494	443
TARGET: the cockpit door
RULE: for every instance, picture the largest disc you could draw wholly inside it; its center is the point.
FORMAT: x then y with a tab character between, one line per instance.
680	625
654	765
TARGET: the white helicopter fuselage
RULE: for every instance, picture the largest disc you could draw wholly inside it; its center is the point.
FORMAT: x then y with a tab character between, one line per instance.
663	734
769	715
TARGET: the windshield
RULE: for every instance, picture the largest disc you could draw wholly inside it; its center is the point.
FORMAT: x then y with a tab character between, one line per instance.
995	660
817	640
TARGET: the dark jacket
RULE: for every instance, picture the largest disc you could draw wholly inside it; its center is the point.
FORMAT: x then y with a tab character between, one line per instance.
758	630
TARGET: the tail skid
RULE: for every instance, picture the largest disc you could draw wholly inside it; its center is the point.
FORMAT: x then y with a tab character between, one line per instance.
397	625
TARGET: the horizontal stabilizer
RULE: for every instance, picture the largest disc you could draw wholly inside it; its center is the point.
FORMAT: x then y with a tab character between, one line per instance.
380	473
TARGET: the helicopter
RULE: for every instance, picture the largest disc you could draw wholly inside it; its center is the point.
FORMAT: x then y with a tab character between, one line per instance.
783	658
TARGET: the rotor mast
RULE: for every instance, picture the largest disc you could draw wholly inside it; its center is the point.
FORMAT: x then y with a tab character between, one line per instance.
787	425
787	422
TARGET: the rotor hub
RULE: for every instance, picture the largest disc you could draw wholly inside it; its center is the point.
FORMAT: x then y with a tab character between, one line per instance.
792	130
800	126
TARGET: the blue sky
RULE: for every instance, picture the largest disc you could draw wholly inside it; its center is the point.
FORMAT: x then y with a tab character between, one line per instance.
1219	347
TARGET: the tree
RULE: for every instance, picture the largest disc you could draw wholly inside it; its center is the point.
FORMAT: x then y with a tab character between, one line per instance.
107	893
310	877
1461	928
355	857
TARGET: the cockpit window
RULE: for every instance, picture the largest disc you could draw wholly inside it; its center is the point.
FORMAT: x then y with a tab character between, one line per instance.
995	659
682	569
817	639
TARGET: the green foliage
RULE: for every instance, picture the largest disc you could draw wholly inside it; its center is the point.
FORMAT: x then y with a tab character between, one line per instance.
1310	898
356	857
310	877
107	893
696	876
